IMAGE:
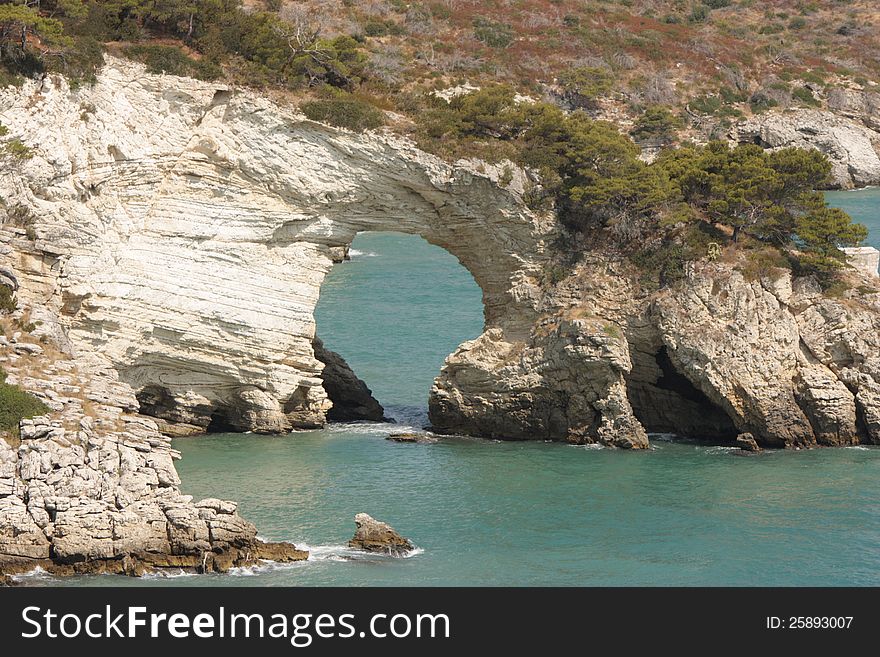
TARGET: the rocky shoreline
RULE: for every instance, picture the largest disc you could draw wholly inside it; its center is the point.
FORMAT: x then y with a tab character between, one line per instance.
167	239
91	488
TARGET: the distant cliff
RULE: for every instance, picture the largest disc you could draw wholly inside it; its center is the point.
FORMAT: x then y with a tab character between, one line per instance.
848	135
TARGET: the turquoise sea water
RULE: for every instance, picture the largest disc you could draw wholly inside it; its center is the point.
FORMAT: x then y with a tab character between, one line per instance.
491	513
864	206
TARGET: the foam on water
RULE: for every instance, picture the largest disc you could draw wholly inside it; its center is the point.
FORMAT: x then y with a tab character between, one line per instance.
361	428
35	574
664	437
169	573
406	419
346	553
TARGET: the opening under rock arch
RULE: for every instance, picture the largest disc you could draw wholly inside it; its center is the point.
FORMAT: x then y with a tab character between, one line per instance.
665	401
394	311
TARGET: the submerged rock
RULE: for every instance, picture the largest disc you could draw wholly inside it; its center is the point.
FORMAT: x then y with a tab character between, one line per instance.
280	552
375	536
411	437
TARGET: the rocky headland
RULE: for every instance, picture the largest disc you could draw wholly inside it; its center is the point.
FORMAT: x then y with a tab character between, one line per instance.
167	240
849	135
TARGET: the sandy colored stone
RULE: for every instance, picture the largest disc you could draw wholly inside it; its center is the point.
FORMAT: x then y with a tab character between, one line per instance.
375	536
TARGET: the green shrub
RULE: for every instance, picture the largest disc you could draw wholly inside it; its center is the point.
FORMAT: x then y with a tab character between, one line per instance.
15	405
17	149
813	77
660	266
657	124
699	13
772	28
804	95
345	112
171	60
440	10
762	262
581	86
7	299
81	60
761	102
493	33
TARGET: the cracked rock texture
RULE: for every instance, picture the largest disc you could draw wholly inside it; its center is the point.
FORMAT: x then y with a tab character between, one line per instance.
849	136
183	230
92	487
168	239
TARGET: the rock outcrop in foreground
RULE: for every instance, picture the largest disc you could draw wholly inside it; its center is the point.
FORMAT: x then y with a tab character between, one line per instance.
92	488
375	536
167	240
351	398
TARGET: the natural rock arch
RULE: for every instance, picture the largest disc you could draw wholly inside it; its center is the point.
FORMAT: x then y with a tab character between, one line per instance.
176	233
192	239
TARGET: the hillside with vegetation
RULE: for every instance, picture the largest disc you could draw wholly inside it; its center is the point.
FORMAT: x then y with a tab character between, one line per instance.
573	90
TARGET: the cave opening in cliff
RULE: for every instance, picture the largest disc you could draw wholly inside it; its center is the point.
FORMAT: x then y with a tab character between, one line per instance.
665	401
393	312
220	422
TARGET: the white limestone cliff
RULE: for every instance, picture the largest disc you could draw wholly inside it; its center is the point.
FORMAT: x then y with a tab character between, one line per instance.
185	230
168	239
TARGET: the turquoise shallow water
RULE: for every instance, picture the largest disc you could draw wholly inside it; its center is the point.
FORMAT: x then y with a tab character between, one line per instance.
489	513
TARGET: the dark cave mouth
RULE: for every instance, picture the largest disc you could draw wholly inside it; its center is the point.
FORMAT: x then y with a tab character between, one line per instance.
665	401
220	423
158	402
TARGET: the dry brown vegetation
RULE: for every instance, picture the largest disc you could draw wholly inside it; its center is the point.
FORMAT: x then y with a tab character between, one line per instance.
659	51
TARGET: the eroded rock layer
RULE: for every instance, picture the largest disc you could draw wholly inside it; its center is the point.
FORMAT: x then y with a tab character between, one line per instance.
167	240
91	487
711	357
183	230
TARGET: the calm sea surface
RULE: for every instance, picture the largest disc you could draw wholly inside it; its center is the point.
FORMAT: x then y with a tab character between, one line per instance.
490	513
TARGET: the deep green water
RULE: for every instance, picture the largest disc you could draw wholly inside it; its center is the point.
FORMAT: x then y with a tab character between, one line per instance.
490	513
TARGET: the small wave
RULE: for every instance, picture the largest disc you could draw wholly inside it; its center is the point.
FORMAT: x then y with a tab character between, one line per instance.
355	253
587	446
345	553
720	449
262	568
164	573
861	448
37	573
407	419
368	427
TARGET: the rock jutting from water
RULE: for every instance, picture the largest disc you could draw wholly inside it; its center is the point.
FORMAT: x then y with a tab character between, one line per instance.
166	242
352	399
375	536
747	443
